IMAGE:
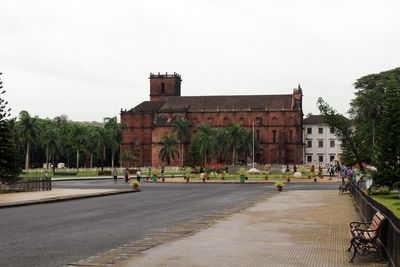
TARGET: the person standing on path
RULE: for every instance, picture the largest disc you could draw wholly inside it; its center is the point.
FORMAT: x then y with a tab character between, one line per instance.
115	175
351	172
149	170
138	175
126	175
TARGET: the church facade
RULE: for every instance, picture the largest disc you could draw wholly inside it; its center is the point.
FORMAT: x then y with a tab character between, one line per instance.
277	119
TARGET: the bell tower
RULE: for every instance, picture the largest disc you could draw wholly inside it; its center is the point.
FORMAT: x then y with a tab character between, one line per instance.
164	85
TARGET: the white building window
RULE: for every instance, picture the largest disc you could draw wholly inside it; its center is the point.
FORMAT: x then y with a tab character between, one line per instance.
309	158
320	130
309	130
309	143
321	158
332	143
320	143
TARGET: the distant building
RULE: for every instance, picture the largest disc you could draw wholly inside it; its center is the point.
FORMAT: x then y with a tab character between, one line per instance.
278	121
321	144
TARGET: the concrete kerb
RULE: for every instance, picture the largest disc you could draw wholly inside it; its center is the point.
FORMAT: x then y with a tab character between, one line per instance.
65	198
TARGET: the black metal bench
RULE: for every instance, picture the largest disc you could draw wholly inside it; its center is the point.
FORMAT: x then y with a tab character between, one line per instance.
344	188
364	236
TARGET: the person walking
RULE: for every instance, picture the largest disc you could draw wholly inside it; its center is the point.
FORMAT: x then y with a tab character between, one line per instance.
312	168
138	175
126	175
149	170
294	168
351	172
115	175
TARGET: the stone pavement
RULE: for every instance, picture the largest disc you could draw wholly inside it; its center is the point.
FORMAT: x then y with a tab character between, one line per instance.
293	228
27	198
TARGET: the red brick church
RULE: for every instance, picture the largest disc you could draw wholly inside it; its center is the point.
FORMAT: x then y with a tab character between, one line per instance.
278	120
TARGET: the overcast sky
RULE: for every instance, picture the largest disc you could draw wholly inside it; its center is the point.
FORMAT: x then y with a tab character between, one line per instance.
90	58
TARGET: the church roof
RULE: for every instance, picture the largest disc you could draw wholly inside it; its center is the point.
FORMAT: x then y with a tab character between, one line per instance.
235	102
148	106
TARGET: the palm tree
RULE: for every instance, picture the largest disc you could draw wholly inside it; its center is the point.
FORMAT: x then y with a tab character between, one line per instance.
117	136
222	139
205	141
236	134
51	140
104	137
169	148
182	129
92	144
78	139
128	157
28	130
367	105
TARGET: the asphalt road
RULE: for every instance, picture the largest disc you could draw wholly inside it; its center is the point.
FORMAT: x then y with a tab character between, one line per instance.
55	234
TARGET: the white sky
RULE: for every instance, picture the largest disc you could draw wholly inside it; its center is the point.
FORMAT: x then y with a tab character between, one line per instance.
90	58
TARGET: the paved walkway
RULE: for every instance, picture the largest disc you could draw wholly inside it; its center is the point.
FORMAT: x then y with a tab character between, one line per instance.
294	228
27	198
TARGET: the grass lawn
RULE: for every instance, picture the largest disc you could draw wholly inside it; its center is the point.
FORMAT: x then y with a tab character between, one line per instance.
391	201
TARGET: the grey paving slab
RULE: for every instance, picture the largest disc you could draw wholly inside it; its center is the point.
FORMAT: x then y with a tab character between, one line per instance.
292	228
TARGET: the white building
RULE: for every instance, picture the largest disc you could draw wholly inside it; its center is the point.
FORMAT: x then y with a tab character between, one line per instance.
321	144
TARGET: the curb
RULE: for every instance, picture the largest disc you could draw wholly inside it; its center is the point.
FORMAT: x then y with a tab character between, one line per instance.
65	198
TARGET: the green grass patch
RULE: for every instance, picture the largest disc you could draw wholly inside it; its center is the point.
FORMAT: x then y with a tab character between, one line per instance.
391	201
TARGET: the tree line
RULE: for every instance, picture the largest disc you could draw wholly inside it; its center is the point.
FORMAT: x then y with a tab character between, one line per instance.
50	141
372	135
206	144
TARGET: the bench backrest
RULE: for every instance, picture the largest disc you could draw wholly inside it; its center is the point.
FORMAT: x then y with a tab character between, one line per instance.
375	224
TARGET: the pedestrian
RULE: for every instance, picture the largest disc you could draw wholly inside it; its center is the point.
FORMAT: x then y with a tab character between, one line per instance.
138	175
312	168
338	169
287	169
342	175
294	168
351	172
319	171
126	175
115	175
149	170
346	171
162	171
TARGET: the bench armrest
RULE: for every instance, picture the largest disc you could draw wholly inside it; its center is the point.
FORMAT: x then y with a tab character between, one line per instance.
362	234
358	225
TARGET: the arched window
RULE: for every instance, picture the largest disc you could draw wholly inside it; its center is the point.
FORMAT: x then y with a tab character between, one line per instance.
210	120
274	119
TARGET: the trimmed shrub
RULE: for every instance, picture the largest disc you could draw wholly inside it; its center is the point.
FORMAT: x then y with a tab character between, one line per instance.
104	173
66	173
383	191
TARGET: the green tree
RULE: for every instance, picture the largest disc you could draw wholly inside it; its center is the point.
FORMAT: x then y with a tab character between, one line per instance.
388	139
182	129
236	134
78	139
28	131
52	142
204	140
116	134
169	148
193	157
222	149
128	157
92	144
9	158
104	137
353	146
